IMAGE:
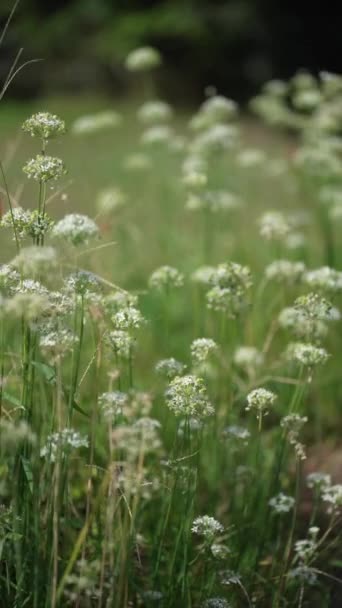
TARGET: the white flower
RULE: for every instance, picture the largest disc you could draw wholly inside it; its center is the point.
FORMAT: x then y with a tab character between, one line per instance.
216	602
128	318
324	279
121	342
187	396
282	503
166	278
18	218
76	228
248	357
110	199
206	526
96	122
333	496
318	481
44	168
306	354
44	125
201	348
112	403
157	134
156	111
170	368
35	261
274	225
285	271
204	275
142	59
261	400
63	442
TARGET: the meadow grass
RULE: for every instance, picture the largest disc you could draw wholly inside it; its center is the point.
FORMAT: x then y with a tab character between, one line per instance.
169	360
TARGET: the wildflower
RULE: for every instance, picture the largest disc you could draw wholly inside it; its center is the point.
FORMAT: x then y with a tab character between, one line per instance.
274	225
92	123
300	325
214	201
313	306
219	108
307	355
157	134
82	282
35	261
304	574
166	278
285	271
293	424
318	481
204	275
75	228
113	403
39	225
206	526
9	277
44	168
121	342
333	496
201	348
231	283
220	551
143	59
154	112
63	441
282	503
44	125
248	358
324	279
119	300
19	220
187	396
170	368
128	318
238	433
110	199
261	400
216	602
56	344
27	305
217	139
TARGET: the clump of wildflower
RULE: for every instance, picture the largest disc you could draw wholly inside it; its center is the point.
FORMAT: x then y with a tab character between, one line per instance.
165	278
121	342
9	277
216	602
261	400
307	355
19	219
44	168
282	503
128	318
300	325
313	306
217	139
318	481
292	424
119	300
202	348
324	279
248	358
35	261
82	282
76	228
158	134
204	275
44	125
112	403
110	199
56	344
170	368
187	396
92	123
231	283
206	526
39	225
220	551
333	496
143	59
274	226
62	442
215	109
305	549
285	271
154	112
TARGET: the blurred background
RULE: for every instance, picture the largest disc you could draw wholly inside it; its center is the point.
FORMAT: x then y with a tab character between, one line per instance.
235	45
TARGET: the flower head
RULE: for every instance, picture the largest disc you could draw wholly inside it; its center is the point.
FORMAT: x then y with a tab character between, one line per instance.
143	59
206	526
44	125
76	228
44	168
187	396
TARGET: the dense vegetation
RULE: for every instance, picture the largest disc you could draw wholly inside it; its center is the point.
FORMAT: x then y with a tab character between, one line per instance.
170	364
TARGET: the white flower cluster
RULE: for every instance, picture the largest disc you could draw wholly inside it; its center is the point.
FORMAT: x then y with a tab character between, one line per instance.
113	403
56	344
92	123
293	423
216	602
285	271
307	355
202	348
324	279
231	283
282	503
261	400
76	228
213	200
110	199
44	168
274	225
206	526
82	282
121	343
249	358
165	278
63	442
128	318
154	112
187	396
170	368
35	261
44	125
143	59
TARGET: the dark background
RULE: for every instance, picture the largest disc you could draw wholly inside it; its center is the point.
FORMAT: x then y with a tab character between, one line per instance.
233	44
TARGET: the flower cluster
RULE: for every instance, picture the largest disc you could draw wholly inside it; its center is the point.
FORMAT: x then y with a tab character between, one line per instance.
187	396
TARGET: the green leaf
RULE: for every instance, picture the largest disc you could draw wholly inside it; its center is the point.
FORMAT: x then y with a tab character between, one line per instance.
28	472
13	400
46	370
